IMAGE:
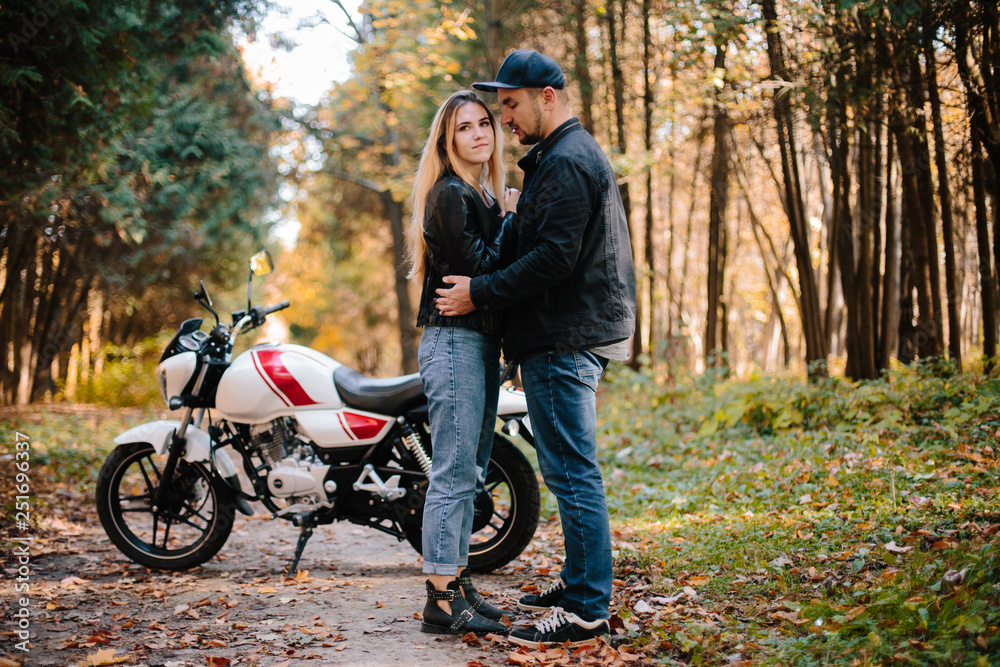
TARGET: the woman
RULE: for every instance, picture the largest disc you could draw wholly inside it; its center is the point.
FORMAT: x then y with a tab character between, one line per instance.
457	228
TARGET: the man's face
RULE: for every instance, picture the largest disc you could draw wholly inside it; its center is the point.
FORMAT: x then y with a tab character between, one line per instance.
523	112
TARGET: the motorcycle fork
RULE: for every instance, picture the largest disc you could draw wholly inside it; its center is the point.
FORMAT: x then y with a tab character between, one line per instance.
174	451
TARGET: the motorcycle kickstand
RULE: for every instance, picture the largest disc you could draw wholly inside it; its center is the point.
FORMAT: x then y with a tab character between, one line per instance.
307	522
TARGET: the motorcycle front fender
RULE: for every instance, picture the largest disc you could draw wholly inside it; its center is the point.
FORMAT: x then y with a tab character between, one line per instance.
199	443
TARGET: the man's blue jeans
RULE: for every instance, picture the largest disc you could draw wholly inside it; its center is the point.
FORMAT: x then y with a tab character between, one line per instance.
561	391
460	368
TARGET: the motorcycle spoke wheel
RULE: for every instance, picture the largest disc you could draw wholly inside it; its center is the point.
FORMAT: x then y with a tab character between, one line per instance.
189	528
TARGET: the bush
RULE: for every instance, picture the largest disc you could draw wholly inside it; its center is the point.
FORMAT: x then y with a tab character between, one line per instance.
129	375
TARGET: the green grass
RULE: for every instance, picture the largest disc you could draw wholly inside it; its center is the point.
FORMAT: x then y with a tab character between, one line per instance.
815	522
68	444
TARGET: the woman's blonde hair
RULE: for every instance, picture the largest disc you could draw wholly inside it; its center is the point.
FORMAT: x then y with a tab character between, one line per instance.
438	157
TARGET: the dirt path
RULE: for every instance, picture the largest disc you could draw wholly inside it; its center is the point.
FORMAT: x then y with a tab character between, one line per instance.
355	606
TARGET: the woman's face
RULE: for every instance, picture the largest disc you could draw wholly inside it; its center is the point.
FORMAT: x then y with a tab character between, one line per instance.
473	137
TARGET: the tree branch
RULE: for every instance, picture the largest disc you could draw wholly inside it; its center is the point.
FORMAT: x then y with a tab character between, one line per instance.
359	36
358	180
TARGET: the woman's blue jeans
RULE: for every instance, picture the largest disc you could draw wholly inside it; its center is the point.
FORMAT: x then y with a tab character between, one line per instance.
460	369
561	389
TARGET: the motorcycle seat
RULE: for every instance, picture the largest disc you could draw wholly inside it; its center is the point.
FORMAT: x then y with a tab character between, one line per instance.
384	395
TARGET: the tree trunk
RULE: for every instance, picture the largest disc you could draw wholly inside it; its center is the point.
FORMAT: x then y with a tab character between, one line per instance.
812	326
906	331
944	194
866	218
699	151
408	337
979	80
718	202
987	279
616	35
581	65
493	49
891	263
918	268
648	136
930	274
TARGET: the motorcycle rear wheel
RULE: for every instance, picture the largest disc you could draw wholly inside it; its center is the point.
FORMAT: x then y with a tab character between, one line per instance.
506	511
193	525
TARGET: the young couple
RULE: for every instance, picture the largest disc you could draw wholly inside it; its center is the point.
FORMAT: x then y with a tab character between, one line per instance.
549	272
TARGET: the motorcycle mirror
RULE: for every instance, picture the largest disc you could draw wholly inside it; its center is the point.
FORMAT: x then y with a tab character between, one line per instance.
202	297
202	293
261	264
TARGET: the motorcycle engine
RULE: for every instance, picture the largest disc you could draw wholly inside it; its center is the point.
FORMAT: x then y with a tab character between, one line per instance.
274	441
295	472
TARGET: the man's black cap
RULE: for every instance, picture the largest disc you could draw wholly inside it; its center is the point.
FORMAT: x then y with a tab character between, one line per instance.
526	69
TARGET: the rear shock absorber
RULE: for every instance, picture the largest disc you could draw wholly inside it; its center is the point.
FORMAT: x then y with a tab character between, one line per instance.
412	442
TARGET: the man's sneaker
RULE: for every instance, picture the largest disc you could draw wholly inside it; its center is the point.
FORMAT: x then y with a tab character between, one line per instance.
559	628
552	597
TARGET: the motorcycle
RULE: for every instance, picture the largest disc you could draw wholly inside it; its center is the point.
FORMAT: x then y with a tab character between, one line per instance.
319	442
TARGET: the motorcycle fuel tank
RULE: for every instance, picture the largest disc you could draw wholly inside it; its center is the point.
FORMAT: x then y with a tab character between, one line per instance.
274	380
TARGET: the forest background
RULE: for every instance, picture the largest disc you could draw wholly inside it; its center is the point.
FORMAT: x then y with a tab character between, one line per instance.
812	191
809	186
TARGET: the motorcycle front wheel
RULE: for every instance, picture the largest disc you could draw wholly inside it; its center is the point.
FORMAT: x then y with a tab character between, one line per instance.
191	526
506	511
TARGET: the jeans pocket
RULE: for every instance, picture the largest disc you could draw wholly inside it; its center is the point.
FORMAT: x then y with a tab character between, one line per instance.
428	344
589	369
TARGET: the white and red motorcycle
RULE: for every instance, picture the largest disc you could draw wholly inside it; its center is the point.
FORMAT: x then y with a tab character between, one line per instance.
319	443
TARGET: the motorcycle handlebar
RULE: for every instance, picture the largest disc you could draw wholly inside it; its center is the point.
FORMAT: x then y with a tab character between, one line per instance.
275	308
255	318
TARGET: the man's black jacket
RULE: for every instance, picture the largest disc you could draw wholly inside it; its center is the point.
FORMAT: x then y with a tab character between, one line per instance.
464	238
573	284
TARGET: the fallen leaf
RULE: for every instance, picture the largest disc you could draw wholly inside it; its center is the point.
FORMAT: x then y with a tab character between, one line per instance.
217	662
941	545
854	613
629	657
107	657
891	546
698	581
790	617
267	589
642	607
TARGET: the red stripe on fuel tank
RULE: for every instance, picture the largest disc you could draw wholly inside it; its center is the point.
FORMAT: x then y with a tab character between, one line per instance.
282	378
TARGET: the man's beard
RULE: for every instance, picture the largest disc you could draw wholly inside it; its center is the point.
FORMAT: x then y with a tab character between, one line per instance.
533	137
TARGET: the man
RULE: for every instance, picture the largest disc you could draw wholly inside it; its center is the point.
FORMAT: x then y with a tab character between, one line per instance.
570	307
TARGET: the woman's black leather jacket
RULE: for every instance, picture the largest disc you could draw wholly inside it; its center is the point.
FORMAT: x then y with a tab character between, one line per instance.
464	237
